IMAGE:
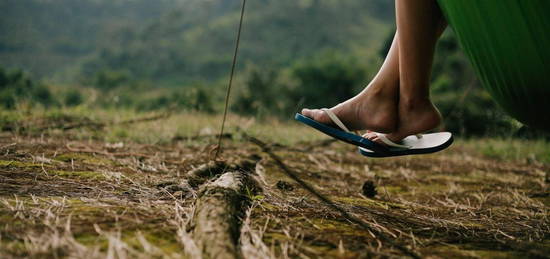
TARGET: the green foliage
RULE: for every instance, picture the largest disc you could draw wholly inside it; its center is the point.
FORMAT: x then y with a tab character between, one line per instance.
326	80
261	94
189	98
15	86
46	37
466	107
109	79
8	120
320	81
73	98
196	41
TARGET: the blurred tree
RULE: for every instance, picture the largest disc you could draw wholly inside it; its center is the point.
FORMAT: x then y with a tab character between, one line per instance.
110	79
260	94
16	86
326	79
319	81
73	98
42	94
203	101
466	107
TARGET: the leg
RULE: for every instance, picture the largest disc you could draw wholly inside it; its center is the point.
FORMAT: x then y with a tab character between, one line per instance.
374	108
420	23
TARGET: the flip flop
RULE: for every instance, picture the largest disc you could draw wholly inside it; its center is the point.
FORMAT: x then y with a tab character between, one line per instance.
411	145
342	134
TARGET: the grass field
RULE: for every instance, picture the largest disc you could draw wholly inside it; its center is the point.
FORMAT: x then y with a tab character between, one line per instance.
96	184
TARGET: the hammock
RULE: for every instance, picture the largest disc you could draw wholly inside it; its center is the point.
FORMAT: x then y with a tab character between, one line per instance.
507	42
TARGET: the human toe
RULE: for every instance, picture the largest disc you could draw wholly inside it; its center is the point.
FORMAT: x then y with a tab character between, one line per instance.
315	114
370	135
307	112
373	136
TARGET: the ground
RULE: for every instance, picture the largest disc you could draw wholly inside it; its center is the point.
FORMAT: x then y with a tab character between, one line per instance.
111	185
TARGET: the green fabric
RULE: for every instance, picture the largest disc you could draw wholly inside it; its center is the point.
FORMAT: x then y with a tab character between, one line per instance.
507	42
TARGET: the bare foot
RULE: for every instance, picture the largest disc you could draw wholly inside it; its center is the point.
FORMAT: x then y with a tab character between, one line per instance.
373	109
414	118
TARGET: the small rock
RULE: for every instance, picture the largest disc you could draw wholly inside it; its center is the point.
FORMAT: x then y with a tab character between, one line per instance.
369	189
284	186
165	184
178	138
113	146
206	131
178	188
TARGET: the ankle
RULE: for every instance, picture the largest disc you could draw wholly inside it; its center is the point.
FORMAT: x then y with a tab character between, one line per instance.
380	91
414	104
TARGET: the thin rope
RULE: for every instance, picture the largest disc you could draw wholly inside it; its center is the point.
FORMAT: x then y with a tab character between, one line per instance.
285	169
366	226
219	146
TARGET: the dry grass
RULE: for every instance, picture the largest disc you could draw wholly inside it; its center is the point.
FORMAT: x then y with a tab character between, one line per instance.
122	192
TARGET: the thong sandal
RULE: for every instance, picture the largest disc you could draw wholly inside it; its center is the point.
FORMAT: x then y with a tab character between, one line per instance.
343	134
419	144
411	145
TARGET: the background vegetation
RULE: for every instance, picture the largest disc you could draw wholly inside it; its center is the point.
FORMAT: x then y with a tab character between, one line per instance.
175	54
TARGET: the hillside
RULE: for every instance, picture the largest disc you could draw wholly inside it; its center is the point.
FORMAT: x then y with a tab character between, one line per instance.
181	40
45	37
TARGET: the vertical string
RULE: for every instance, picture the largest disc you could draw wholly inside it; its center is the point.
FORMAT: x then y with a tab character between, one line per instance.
219	145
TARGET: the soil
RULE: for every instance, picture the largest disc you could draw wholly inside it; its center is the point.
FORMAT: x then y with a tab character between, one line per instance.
88	198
